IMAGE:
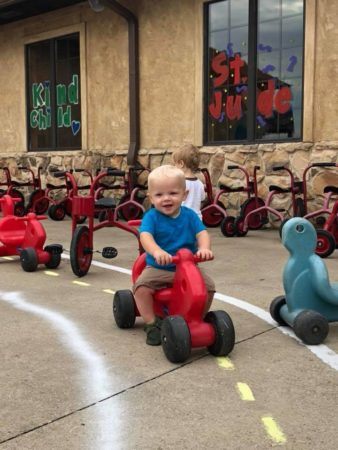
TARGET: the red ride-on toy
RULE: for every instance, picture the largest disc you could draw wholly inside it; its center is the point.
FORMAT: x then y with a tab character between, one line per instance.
181	308
230	224
25	236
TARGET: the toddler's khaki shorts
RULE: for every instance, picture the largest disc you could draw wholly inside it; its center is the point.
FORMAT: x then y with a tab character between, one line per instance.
158	279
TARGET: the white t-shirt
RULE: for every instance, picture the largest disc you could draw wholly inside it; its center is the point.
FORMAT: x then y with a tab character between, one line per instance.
196	195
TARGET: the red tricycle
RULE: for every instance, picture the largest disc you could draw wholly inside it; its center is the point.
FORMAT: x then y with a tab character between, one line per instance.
181	308
231	226
25	236
82	243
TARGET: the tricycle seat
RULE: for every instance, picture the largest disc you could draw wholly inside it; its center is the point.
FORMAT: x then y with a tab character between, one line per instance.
105	203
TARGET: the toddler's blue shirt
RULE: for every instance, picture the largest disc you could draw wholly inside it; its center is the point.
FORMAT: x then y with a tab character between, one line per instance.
172	234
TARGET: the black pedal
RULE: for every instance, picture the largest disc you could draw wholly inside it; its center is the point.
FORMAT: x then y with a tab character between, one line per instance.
109	252
54	249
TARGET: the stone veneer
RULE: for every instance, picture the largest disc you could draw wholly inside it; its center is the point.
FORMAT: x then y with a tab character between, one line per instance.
296	155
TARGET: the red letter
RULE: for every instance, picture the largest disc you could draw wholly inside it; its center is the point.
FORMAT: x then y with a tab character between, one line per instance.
234	107
236	65
221	69
216	107
265	100
282	100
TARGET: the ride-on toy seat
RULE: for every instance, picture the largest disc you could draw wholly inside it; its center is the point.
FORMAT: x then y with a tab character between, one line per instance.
181	307
310	300
25	236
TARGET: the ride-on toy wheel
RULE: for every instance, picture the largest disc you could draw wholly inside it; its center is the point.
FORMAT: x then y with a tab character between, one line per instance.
56	212
326	243
80	251
124	309
311	327
227	226
224	333
29	259
55	256
175	337
275	307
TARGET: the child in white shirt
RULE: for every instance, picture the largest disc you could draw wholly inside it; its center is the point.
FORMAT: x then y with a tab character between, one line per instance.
187	159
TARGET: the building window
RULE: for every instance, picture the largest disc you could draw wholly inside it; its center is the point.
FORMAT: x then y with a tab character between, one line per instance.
53	94
254	70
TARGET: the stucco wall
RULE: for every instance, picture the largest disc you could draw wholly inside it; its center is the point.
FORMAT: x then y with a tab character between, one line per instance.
326	71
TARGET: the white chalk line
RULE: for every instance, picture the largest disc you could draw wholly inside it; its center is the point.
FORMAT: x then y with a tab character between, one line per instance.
96	374
323	352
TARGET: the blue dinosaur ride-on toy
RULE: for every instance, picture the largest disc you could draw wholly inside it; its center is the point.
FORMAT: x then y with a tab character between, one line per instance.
310	301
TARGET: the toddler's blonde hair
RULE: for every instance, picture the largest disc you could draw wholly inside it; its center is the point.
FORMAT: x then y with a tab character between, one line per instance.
166	171
190	156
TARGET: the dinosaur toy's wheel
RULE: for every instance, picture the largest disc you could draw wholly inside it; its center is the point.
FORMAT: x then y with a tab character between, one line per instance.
311	327
275	307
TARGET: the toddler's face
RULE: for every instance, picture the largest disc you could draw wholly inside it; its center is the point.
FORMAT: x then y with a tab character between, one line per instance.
167	196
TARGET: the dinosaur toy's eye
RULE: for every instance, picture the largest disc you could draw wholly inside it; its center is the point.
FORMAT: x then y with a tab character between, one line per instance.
300	228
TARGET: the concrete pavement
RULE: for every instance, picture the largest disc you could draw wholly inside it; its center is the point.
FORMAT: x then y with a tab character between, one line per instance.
70	379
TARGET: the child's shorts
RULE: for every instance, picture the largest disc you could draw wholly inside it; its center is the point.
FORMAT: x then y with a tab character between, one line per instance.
159	279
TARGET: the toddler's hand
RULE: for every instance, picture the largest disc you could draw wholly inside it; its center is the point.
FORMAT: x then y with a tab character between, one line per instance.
204	254
162	258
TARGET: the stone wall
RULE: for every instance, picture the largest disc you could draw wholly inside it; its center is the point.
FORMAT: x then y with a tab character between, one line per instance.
295	155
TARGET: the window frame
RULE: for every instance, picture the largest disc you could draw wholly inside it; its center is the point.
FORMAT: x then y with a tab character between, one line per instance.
52	44
252	79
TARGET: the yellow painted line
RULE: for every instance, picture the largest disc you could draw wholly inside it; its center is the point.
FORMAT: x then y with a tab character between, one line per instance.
225	363
108	291
51	274
245	392
9	258
81	283
273	430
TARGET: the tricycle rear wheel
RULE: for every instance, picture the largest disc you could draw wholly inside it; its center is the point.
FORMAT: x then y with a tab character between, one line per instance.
124	309
80	251
224	333
175	338
57	212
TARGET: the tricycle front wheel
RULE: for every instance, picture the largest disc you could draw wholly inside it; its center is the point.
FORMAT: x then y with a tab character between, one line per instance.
81	252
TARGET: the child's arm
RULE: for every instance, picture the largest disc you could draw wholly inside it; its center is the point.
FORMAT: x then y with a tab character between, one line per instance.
204	246
150	246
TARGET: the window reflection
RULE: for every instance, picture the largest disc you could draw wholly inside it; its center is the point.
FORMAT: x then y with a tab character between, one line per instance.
277	77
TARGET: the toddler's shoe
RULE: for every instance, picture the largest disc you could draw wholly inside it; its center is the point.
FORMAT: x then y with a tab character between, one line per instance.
153	331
